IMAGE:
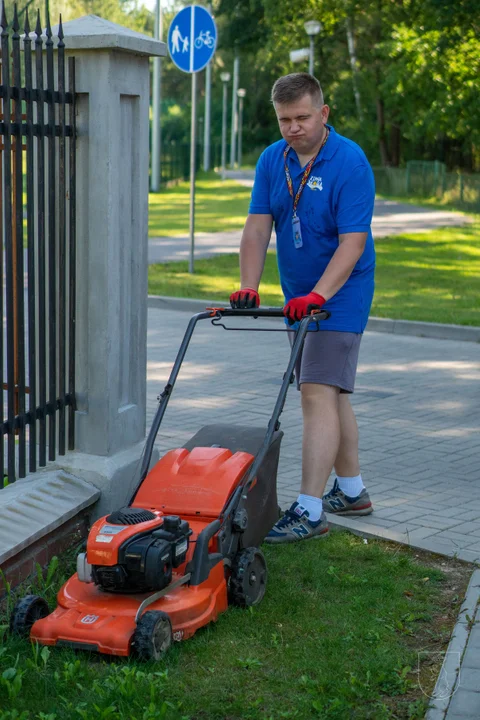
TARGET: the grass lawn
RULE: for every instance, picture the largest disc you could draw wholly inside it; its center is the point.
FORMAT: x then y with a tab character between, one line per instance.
219	206
338	635
434	277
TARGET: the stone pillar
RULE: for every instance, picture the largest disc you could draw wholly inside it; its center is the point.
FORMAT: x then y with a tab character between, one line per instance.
113	97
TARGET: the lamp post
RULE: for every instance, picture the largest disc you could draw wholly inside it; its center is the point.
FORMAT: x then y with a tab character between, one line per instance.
233	137
225	78
241	92
312	28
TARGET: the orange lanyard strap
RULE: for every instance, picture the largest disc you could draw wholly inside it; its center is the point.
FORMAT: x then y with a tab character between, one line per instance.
306	174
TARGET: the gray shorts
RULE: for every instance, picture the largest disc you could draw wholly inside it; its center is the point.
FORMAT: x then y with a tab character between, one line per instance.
328	357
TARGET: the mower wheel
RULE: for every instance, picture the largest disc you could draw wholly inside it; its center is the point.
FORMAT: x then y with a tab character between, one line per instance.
26	612
153	636
248	579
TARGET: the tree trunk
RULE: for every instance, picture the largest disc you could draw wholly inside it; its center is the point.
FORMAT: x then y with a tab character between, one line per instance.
382	139
354	66
382	136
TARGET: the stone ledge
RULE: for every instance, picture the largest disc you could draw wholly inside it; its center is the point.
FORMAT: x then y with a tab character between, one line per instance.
35	506
95	33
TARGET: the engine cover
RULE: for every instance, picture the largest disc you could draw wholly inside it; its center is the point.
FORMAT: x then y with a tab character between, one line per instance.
143	560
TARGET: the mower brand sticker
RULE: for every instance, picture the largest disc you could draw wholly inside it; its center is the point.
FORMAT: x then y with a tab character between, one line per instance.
89	619
178	636
181	548
104	538
112	529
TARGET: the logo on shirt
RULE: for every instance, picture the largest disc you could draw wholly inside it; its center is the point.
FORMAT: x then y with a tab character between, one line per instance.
315	183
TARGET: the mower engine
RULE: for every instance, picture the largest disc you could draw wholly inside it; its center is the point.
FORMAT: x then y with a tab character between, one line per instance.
123	557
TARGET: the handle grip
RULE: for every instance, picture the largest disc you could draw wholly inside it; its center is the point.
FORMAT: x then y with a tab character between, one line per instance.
262	312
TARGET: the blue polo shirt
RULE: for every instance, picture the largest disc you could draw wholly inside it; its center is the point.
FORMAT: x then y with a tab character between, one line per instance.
338	198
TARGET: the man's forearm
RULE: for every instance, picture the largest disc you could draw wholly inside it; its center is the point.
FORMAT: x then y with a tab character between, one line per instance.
253	249
341	265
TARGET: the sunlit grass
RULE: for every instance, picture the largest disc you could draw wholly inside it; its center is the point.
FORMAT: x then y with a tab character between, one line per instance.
312	649
219	206
432	277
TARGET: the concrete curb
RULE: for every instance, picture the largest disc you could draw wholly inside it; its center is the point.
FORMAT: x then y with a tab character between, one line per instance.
446	684
397	327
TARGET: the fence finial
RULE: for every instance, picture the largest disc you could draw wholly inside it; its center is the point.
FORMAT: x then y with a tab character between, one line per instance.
15	24
3	21
26	26
48	31
60	33
38	27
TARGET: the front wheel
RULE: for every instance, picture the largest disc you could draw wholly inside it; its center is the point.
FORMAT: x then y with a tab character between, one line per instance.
248	579
153	636
26	612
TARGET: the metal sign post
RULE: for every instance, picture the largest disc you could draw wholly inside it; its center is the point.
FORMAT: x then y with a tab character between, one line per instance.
192	39
193	147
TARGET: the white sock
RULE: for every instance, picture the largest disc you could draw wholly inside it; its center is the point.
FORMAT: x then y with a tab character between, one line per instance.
351	486
312	505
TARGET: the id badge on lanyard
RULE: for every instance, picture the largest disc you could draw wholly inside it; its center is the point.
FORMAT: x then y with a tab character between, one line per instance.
296	227
297	232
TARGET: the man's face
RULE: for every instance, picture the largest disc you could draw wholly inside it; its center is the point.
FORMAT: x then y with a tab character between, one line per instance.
302	123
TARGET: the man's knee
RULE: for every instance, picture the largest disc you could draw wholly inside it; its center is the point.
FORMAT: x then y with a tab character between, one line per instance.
319	397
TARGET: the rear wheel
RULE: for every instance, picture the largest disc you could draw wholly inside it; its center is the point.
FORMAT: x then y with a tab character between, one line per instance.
26	612
153	636
248	579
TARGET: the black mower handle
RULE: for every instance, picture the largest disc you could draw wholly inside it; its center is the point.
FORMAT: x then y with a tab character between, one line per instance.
260	312
211	313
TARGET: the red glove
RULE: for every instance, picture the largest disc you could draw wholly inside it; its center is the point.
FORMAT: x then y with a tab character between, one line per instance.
298	307
243	299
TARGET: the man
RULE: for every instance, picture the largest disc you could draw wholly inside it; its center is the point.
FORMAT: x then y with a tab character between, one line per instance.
318	188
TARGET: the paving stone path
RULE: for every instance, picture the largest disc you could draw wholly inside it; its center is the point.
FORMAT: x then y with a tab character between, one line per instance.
390	218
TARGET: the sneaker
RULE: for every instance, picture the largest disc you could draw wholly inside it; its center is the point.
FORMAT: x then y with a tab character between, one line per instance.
295	525
338	503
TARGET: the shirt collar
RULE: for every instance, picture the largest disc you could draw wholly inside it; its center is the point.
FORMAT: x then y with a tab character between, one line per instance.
331	146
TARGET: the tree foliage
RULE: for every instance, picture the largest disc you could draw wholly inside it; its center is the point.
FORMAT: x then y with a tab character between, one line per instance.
417	68
414	72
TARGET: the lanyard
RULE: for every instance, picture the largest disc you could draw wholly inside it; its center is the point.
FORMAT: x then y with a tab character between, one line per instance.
305	174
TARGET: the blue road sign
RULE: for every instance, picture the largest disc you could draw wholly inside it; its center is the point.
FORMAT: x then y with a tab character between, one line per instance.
192	38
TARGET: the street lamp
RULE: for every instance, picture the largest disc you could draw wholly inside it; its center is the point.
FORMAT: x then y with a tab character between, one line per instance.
241	92
312	28
225	78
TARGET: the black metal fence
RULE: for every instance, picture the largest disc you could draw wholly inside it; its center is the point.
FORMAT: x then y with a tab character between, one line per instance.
431	181
175	161
37	216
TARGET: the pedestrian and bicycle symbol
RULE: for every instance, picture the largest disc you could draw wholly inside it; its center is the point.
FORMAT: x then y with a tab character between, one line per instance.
204	39
192	38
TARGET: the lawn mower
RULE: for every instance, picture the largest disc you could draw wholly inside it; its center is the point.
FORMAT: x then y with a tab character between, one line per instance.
187	544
